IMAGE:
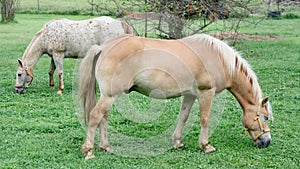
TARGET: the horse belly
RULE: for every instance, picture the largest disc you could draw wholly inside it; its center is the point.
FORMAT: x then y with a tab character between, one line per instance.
162	85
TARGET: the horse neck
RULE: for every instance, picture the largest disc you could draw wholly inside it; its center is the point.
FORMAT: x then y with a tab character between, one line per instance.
33	51
246	90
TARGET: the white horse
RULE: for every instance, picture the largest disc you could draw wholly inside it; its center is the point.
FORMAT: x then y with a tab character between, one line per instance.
63	38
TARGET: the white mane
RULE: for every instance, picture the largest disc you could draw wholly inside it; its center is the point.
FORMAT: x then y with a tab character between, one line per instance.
231	58
33	49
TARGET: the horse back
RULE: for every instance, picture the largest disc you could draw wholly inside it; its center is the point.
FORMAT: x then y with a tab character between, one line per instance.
74	38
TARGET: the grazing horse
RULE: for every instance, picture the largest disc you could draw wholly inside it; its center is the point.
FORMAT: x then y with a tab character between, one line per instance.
63	38
195	67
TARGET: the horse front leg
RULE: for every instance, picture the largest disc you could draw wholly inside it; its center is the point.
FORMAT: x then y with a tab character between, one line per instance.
58	58
51	72
61	83
186	106
205	99
97	117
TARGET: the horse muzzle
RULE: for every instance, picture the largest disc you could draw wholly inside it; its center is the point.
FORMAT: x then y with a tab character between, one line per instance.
263	141
20	89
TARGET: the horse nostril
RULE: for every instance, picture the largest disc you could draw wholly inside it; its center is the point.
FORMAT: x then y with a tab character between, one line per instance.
268	143
260	145
263	143
19	75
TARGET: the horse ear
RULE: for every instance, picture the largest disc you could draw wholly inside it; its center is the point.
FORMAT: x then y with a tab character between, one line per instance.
20	63
264	101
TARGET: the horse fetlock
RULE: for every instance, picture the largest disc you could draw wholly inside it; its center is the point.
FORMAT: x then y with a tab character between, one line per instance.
207	148
51	86
85	148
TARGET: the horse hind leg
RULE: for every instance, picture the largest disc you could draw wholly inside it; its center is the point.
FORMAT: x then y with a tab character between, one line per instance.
205	99
106	105
183	116
51	72
103	144
97	117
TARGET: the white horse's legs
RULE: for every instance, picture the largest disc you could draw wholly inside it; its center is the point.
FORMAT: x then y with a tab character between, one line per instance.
58	58
51	72
205	99
183	116
97	117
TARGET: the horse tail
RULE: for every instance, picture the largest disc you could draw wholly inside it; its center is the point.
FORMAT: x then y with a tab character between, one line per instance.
87	80
127	28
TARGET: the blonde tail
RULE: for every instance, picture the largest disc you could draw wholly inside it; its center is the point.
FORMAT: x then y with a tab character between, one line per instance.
87	80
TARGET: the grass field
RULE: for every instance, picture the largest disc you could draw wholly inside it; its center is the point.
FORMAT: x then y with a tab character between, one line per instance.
55	6
41	129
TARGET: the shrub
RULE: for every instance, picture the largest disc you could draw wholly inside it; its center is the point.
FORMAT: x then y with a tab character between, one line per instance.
291	16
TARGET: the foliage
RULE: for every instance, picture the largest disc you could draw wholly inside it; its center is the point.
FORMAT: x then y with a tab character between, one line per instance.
176	19
291	16
163	24
8	9
41	130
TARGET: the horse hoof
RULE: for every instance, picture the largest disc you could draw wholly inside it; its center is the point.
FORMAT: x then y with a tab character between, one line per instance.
59	92
208	148
89	155
106	149
178	144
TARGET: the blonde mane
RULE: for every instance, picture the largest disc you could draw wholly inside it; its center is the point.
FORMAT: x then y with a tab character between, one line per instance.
232	59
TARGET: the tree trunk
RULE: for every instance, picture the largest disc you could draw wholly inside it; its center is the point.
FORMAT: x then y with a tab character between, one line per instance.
8	10
175	27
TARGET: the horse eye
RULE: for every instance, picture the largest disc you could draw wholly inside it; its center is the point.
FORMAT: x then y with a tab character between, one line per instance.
266	117
19	75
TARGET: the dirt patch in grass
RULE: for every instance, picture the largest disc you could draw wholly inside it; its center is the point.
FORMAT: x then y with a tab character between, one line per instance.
242	36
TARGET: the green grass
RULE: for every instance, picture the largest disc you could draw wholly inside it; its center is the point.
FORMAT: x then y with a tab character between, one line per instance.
55	6
66	7
41	130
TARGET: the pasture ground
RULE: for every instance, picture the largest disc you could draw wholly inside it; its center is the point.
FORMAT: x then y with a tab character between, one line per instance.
41	130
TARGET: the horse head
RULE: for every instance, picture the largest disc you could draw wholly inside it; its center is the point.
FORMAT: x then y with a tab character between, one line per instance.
256	123
24	77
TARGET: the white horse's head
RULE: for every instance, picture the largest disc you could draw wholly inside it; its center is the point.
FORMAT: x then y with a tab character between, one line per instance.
24	77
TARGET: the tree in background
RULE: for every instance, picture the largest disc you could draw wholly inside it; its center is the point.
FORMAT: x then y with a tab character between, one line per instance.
175	19
180	16
8	9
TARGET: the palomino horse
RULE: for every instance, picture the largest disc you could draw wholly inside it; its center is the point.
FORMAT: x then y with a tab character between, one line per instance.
65	38
195	67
